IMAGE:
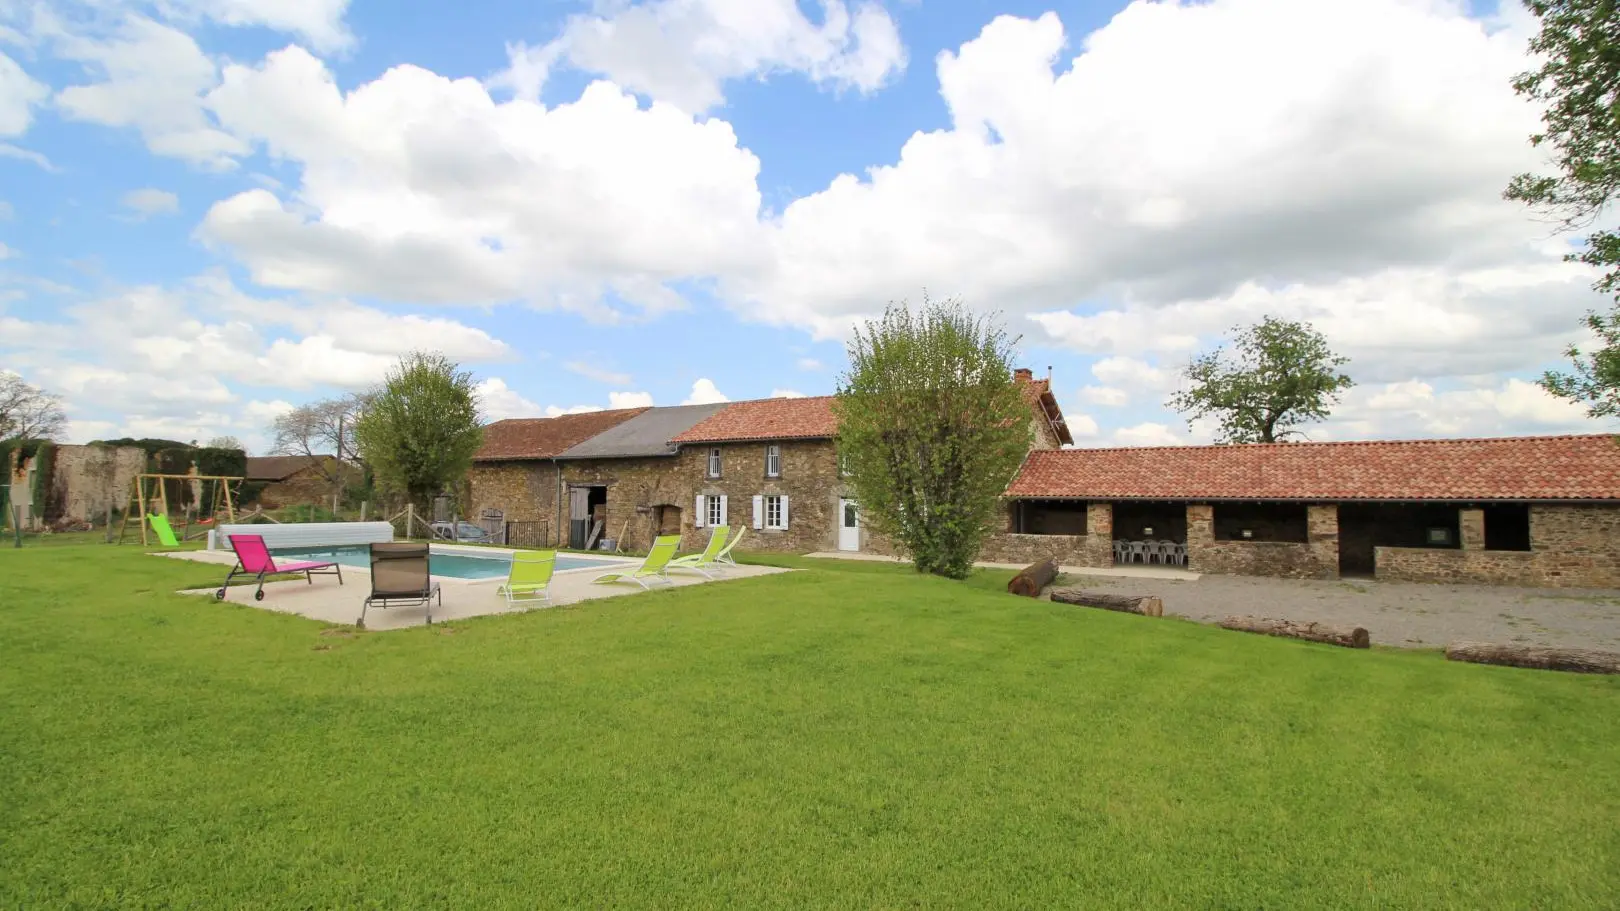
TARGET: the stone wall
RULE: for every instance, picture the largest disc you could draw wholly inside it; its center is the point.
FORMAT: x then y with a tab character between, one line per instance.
1570	546
636	488
1316	559
526	491
1095	548
305	486
809	479
89	479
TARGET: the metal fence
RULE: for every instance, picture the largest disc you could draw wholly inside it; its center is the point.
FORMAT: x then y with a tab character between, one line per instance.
528	534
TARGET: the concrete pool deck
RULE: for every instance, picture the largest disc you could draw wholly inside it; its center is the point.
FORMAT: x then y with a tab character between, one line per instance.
330	602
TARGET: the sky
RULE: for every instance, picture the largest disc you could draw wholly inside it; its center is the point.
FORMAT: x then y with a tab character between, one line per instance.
214	210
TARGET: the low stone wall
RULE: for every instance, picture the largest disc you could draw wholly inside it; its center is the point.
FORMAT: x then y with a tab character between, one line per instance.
1571	547
1263	558
1317	559
89	479
1070	550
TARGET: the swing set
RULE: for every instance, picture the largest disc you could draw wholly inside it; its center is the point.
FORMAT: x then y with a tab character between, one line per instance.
144	498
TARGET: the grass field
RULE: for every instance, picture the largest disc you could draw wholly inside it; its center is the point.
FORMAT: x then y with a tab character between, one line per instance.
850	736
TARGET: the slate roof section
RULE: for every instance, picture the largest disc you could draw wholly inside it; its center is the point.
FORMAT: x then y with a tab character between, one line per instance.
280	468
546	438
766	419
1509	468
646	434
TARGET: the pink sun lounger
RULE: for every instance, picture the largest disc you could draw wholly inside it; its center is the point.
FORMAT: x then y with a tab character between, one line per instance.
253	559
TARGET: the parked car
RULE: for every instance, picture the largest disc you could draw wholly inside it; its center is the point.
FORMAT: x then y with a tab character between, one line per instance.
461	531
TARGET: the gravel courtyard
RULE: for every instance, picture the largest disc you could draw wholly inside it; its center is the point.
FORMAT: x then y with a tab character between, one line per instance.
1394	613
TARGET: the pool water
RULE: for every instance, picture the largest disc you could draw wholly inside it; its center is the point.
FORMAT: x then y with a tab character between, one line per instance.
452	565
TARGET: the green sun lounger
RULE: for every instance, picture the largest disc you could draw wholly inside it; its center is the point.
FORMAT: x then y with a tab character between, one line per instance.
723	558
653	569
160	524
529	579
704	562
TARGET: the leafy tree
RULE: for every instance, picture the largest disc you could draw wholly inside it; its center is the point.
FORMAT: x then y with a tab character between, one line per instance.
1595	380
421	427
931	427
1282	375
225	442
1579	82
28	412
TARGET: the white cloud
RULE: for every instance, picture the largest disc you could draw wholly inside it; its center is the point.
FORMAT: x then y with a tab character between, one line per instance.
420	188
592	372
318	22
1107	396
630	400
151	77
1173	161
683	51
6	252
7	150
150	201
1149	433
553	411
810	364
786	394
500	401
1082	426
19	95
705	393
1418	409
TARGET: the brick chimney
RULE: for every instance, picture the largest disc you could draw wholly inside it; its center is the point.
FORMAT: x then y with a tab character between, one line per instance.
1023	375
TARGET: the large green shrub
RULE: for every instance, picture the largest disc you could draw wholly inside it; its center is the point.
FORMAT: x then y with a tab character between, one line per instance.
931	427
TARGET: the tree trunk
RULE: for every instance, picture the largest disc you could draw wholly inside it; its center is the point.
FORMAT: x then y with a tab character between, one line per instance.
1347	636
1579	660
1033	578
1146	605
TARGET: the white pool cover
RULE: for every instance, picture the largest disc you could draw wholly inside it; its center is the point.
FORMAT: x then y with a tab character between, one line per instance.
305	534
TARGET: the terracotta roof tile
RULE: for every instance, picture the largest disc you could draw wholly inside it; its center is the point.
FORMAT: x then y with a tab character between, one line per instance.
767	419
543	438
1511	468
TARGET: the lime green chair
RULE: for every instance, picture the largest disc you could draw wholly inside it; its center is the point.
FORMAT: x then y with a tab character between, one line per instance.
529	579
710	558
165	533
653	569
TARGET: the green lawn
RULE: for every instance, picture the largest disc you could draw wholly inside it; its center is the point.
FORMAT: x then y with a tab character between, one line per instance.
850	736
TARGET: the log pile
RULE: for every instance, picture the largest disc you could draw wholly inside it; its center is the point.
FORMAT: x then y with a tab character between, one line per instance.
1578	660
1146	605
1347	636
1033	578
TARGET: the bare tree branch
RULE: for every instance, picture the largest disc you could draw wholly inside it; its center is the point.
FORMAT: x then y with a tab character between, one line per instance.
28	412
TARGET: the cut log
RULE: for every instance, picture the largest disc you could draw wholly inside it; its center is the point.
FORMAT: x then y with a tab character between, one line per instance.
1146	605
1033	578
1578	660
1347	636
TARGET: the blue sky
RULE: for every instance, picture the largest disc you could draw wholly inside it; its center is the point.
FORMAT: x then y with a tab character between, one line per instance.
214	211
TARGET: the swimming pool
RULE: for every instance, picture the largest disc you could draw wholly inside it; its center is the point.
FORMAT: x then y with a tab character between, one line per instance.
454	565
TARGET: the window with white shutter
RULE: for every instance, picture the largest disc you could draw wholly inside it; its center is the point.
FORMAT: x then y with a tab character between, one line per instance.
714	462
773	460
759	511
776	512
713	510
698	512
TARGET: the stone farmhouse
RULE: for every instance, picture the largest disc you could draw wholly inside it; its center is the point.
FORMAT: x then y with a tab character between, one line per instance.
1522	511
769	464
1515	511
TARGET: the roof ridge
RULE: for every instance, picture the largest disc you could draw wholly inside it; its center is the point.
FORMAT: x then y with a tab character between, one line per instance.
1427	441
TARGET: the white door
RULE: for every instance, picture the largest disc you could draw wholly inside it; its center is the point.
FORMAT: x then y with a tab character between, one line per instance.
849	525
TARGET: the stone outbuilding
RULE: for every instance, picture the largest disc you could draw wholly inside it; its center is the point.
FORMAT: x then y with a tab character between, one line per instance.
1534	511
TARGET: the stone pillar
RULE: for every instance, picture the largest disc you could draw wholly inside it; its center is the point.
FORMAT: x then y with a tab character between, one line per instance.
1322	534
1471	528
1200	533
1100	533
